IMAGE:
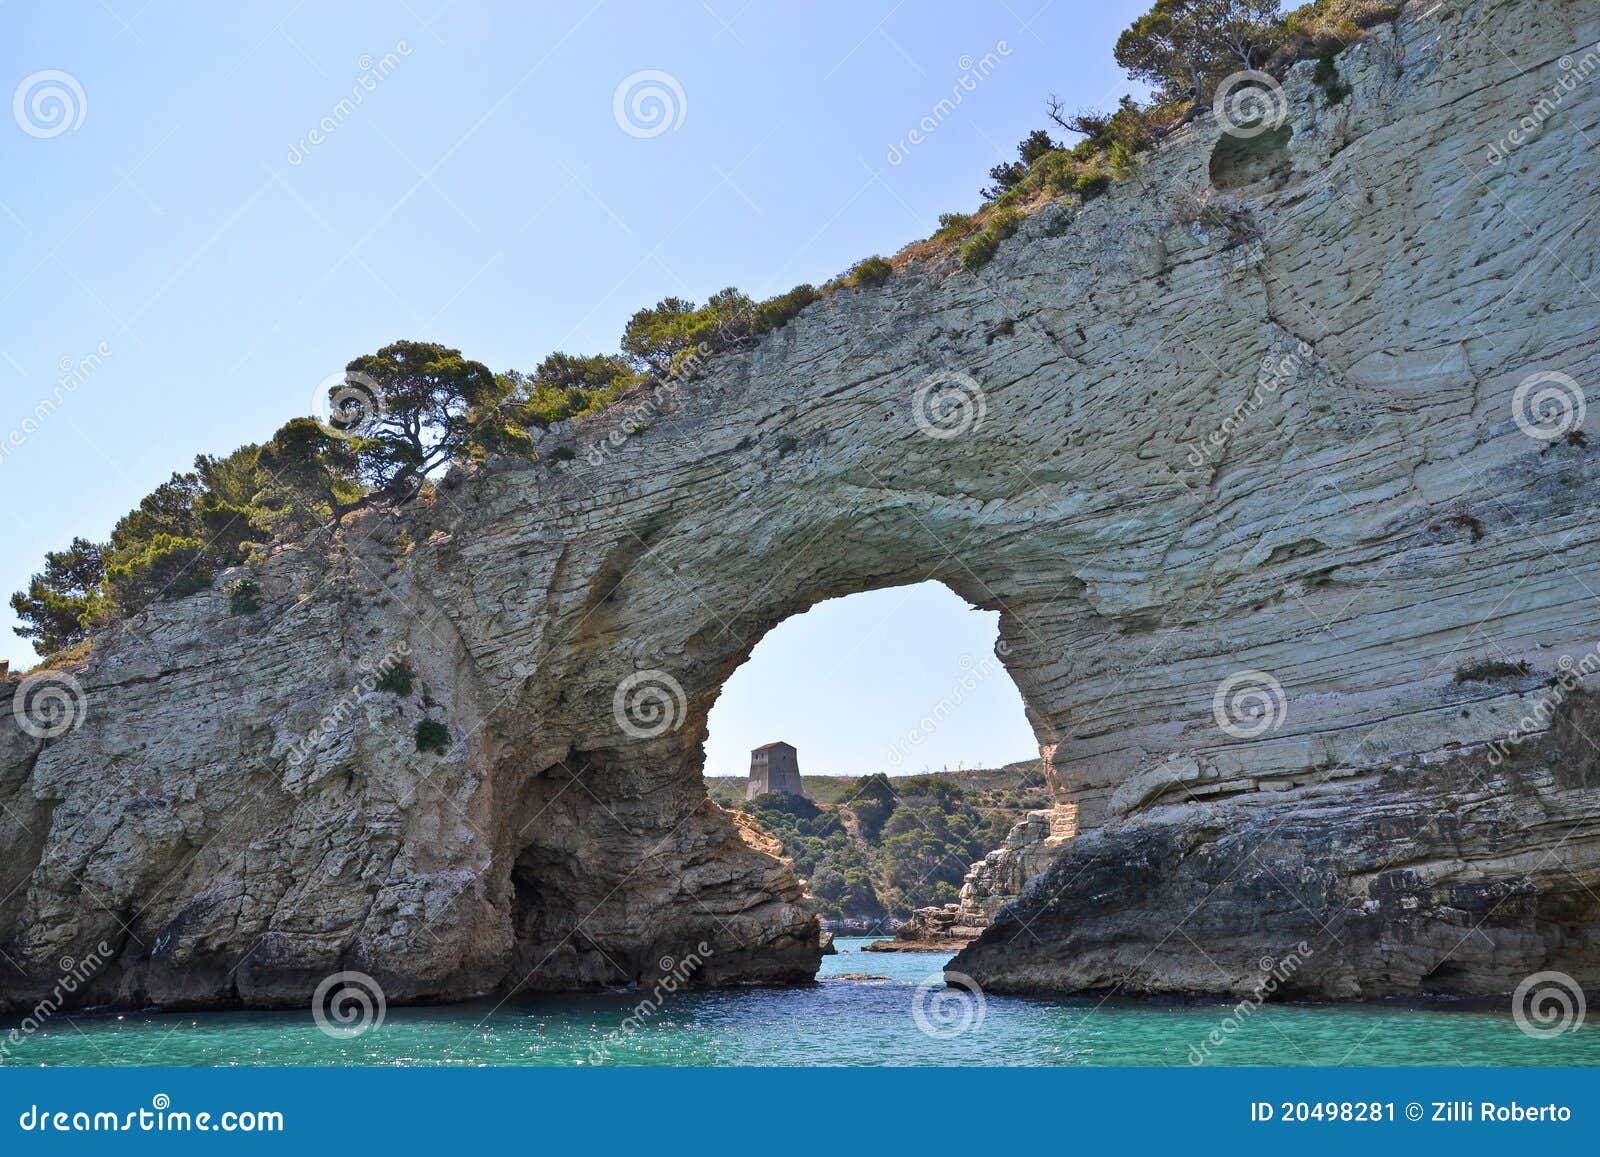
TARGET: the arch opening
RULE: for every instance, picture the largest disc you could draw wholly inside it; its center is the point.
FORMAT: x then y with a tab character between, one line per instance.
879	738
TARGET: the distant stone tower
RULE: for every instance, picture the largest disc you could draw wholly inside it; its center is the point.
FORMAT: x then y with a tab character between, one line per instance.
774	767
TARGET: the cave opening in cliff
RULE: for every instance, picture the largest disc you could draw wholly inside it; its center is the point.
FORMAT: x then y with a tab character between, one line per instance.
880	738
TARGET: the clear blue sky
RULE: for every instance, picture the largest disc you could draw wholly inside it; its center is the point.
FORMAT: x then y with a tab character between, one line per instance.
900	680
480	194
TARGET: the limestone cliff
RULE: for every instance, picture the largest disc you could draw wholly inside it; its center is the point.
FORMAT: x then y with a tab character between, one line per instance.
992	882
1245	421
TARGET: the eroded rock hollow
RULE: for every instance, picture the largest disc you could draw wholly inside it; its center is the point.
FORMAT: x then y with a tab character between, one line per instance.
1247	423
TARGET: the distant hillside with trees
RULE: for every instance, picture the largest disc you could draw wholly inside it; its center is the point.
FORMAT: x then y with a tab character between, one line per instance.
876	847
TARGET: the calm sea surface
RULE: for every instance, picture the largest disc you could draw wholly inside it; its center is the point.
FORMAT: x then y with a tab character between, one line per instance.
838	1022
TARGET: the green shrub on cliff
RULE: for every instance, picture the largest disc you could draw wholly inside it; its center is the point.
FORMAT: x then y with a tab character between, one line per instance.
975	254
244	596
397	679
871	271
432	736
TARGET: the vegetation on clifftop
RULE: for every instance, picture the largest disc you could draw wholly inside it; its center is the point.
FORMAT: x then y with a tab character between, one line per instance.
399	416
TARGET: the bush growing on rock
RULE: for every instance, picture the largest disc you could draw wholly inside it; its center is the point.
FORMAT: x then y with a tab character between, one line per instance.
871	271
168	567
397	679
244	596
422	417
432	737
975	254
1009	176
1490	670
1326	26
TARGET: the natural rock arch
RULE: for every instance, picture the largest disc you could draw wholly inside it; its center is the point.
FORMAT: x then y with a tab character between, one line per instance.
1287	453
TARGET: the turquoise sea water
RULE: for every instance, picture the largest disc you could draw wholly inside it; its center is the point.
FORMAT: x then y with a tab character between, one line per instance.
837	1022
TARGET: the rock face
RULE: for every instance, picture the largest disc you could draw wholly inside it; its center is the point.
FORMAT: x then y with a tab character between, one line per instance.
1453	877
993	881
1247	422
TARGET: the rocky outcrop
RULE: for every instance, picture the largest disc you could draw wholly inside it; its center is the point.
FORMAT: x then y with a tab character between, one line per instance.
1451	877
1247	422
991	883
